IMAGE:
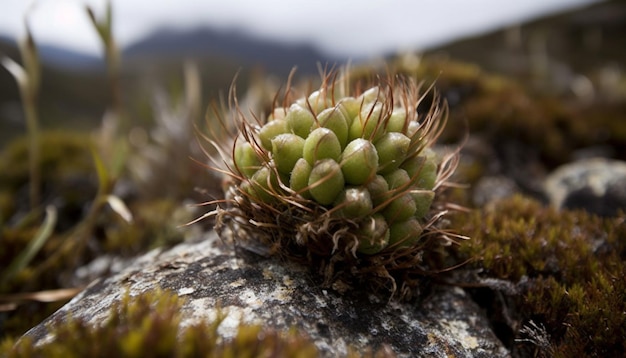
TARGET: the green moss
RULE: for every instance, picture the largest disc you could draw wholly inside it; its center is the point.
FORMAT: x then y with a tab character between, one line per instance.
154	224
14	241
148	325
28	313
568	267
63	154
70	184
67	175
604	123
499	109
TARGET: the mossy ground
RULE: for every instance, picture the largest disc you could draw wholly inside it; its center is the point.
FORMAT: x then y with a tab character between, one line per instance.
148	325
501	110
70	184
561	271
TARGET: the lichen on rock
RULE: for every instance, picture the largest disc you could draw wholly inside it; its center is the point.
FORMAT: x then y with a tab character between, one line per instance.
597	185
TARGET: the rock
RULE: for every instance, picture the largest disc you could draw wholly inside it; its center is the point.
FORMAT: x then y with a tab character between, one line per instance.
491	188
280	295
596	185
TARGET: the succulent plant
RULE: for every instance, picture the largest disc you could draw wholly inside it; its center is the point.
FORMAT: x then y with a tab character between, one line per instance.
344	179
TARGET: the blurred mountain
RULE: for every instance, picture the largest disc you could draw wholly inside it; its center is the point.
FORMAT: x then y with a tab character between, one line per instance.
68	59
8	47
73	90
554	53
271	55
55	56
167	45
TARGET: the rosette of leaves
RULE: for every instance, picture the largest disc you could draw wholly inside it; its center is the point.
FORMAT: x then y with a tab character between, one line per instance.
345	180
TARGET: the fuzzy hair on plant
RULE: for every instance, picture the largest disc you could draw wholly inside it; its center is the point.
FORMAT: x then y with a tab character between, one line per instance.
343	178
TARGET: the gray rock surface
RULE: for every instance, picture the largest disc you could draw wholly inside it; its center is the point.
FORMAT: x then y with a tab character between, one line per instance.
279	294
492	188
596	185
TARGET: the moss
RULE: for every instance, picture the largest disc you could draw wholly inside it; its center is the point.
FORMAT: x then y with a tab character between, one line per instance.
68	176
62	154
604	123
148	325
501	111
154	225
567	267
70	185
28	313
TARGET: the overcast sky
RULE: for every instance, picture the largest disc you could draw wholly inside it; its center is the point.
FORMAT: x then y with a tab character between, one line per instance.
357	28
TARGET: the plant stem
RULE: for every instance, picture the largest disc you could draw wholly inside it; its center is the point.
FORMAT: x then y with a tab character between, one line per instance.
32	124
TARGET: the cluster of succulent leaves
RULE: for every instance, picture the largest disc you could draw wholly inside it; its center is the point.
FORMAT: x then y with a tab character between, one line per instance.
567	272
350	176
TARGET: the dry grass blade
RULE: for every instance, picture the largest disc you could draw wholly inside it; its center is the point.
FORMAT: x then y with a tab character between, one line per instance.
28	81
47	296
25	257
119	207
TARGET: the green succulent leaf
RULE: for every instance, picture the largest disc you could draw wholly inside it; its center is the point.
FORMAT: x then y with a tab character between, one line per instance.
299	179
354	202
316	100
399	178
359	161
400	208
264	185
379	190
405	233
423	200
368	123
392	150
270	130
412	131
397	121
336	121
286	150
278	113
326	181
371	95
247	160
422	171
300	120
322	143
350	107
